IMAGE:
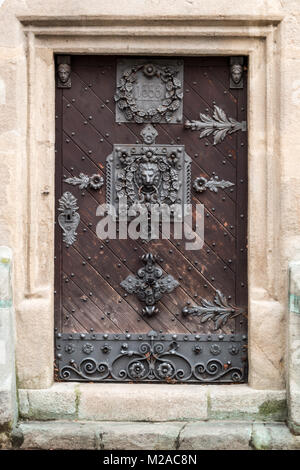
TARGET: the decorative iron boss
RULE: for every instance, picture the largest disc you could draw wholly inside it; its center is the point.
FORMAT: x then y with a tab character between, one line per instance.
149	285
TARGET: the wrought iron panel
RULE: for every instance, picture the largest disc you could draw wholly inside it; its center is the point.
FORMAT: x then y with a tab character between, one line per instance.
151	357
148	174
209	286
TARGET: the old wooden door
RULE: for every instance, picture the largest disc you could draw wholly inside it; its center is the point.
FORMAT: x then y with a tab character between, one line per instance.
138	309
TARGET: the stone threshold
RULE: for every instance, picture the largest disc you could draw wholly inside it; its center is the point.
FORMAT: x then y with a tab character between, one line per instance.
151	403
200	435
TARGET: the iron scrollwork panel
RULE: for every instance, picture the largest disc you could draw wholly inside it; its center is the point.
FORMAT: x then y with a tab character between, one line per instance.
151	357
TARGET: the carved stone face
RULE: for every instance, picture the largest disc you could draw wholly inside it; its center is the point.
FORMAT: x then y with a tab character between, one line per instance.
63	72
149	175
236	73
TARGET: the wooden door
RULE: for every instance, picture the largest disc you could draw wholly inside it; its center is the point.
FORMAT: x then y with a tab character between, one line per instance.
196	330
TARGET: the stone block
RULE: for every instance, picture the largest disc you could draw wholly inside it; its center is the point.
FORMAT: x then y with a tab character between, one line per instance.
273	437
7	344
58	435
293	389
57	402
7	406
138	436
142	402
63	435
266	355
216	436
242	402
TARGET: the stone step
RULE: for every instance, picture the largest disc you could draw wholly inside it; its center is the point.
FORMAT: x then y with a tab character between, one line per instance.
198	435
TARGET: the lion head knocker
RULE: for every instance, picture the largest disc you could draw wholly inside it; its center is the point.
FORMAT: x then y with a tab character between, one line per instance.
148	179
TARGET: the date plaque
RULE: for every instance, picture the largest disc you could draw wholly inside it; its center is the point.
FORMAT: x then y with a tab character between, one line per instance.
149	91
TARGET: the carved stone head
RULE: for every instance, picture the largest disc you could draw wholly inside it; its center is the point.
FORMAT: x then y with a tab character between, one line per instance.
236	73
64	72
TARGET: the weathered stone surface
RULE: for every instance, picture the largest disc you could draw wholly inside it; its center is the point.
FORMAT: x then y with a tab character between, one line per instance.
268	323
58	435
5	441
138	436
7	405
293	388
242	402
142	402
273	437
215	436
57	402
294	404
232	435
146	402
7	344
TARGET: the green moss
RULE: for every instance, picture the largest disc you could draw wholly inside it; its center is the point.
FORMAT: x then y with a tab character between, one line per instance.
208	403
77	399
275	409
294	428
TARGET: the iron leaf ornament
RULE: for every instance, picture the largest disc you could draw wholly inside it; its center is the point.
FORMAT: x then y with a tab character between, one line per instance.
85	181
201	184
219	311
219	125
149	284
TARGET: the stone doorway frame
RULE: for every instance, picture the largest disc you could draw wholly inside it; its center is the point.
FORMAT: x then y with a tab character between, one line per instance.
179	36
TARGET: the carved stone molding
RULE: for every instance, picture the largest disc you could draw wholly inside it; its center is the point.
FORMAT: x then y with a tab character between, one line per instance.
219	125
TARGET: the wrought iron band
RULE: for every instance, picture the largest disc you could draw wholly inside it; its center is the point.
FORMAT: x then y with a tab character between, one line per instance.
151	357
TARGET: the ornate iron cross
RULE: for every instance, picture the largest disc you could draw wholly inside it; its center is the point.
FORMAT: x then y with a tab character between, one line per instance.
149	285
